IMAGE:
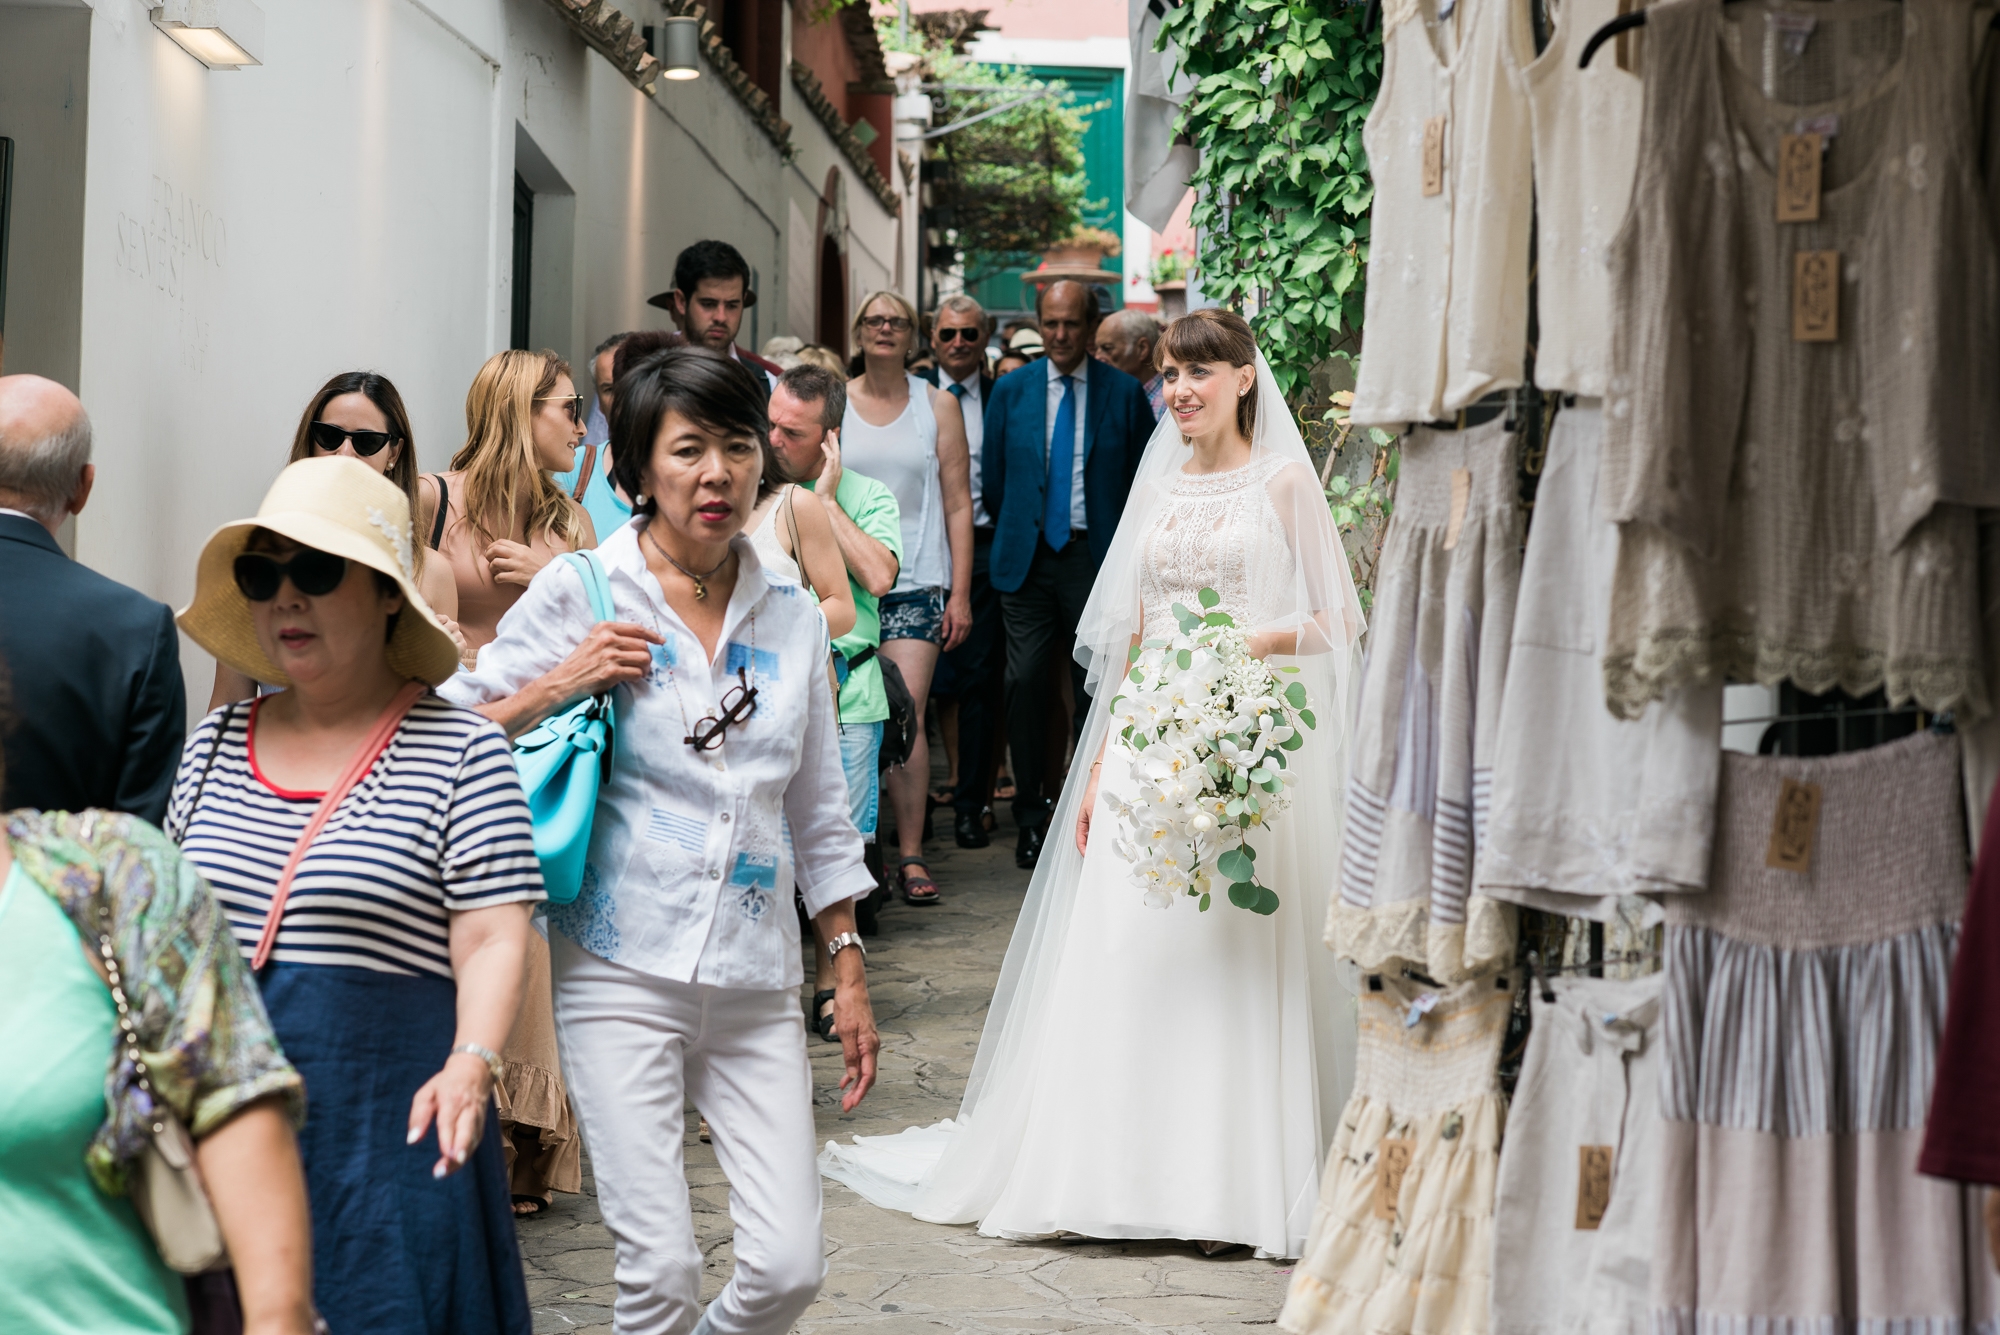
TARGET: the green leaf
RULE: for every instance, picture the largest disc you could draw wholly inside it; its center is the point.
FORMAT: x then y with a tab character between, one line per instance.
1306	717
1242	785
1185	658
1265	902
1132	654
1244	896
1209	598
1236	865
1204	901
1288	668
1293	742
1296	694
1234	809
1219	619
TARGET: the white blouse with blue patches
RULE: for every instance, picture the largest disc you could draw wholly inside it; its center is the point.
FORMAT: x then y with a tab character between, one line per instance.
693	855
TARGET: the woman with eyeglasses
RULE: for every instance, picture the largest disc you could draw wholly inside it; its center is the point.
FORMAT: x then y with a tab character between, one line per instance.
910	436
497	517
359	415
372	851
677	968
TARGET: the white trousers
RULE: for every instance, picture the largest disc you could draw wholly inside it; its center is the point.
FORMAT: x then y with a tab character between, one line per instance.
634	1048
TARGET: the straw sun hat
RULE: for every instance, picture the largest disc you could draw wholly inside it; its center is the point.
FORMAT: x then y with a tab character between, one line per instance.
340	506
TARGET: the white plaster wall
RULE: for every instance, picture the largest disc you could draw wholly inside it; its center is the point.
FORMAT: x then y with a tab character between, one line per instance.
348	204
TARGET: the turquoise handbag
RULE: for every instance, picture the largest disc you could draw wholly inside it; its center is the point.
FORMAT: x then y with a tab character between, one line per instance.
564	760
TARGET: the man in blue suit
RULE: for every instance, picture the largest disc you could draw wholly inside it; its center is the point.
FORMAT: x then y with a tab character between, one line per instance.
1063	441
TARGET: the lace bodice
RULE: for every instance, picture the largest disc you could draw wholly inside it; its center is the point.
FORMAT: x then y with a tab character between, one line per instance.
1218	531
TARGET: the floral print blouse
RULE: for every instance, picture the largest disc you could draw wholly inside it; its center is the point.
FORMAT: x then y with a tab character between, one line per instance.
203	1034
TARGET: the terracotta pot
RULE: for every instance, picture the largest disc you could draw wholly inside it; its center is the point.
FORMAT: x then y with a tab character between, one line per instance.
1075	257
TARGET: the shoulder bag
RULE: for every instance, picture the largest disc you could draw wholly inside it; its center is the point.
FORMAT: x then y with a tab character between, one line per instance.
565	759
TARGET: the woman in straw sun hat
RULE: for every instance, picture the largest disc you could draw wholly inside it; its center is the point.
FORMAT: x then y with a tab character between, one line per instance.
372	849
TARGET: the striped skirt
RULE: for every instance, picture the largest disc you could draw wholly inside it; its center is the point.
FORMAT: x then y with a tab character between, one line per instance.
1427	722
1803	1004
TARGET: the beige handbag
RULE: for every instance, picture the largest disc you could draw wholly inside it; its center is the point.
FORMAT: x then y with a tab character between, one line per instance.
166	1184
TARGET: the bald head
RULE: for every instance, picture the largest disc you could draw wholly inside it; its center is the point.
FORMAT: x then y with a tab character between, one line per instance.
45	465
1126	340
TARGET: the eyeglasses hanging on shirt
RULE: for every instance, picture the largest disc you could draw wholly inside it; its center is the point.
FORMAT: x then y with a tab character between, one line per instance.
740	703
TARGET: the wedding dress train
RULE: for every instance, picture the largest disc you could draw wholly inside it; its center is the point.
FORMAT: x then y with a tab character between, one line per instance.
1149	1073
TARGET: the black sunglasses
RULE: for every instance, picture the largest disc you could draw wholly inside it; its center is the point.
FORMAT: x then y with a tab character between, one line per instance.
328	437
738	705
312	572
575	402
956	333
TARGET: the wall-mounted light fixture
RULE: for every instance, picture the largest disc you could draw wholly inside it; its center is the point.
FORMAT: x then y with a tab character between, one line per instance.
680	48
221	34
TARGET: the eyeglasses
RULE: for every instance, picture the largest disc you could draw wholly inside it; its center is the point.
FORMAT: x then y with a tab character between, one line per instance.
739	704
967	332
326	436
898	323
313	573
575	402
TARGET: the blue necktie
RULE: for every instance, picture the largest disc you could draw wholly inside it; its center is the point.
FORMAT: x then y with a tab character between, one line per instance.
1062	459
957	391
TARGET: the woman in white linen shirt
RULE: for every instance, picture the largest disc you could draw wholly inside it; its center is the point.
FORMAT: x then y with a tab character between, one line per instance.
677	968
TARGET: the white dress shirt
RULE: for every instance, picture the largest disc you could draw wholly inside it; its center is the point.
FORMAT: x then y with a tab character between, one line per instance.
974	408
1081	378
693	855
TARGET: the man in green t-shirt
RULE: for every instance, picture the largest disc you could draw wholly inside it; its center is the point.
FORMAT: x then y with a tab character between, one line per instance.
806	409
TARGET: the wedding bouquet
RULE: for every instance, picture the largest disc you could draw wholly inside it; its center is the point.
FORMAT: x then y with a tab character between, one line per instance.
1210	727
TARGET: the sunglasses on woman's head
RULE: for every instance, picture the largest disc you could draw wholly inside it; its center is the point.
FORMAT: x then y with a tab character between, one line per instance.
312	572
957	333
328	437
575	402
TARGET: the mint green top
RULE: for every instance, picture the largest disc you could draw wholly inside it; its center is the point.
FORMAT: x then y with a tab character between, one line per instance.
76	1259
872	507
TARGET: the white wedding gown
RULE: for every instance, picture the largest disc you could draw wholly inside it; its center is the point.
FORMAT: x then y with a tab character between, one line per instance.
1150	1073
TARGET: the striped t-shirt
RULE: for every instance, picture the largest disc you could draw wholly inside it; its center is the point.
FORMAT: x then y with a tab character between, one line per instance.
438	825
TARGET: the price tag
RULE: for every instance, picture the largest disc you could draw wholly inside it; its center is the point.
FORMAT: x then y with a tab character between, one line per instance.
1799	157
1434	156
1793	827
1593	1185
1816	296
1392	1160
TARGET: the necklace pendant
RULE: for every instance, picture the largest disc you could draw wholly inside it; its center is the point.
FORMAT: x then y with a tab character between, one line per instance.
700	591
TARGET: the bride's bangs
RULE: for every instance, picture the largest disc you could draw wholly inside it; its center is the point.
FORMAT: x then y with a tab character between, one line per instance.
1216	335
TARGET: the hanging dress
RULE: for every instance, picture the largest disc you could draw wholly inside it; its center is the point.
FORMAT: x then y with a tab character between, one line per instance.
1800	413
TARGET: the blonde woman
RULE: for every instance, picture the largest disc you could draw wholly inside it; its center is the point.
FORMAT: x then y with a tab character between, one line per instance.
910	436
497	517
359	415
502	519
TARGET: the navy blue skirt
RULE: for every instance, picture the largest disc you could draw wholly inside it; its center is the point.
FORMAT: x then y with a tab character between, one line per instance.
395	1251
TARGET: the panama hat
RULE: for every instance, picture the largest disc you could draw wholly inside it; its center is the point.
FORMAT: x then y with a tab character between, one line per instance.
345	508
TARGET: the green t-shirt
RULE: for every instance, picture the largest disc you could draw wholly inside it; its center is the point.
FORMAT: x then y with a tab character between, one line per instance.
872	507
77	1259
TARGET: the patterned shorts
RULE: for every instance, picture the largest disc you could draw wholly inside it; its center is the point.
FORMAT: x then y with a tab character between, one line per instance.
913	614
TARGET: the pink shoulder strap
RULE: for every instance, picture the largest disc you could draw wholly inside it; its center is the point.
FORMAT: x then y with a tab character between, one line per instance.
365	756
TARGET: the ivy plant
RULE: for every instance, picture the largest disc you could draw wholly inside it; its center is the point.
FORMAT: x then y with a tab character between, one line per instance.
1281	90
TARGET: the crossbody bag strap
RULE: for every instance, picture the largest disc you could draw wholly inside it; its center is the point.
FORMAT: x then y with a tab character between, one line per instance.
201	784
583	473
370	751
798	552
444	509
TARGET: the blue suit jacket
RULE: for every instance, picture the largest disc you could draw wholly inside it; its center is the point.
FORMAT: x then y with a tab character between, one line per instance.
1014	467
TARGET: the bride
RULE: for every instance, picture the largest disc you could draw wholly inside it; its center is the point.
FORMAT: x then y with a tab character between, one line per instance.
1150	1073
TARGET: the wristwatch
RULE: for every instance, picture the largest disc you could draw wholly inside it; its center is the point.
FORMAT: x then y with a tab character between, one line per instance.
485	1054
842	942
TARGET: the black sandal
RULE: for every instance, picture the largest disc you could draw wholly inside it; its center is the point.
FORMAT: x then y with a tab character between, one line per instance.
820	1019
921	890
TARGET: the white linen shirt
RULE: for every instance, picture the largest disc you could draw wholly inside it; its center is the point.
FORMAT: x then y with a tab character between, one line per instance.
973	408
693	855
1081	378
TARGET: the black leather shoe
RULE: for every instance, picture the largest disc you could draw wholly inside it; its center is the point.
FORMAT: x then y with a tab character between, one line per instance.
970	830
1028	851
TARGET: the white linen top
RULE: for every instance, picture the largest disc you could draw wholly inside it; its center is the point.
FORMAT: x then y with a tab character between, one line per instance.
1447	299
903	457
690	874
1080	377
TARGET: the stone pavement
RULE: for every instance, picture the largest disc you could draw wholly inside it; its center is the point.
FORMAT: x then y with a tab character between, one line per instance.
930	973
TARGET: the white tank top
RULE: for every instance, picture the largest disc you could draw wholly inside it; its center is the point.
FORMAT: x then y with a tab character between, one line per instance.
1586	133
777	562
902	456
1447	303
